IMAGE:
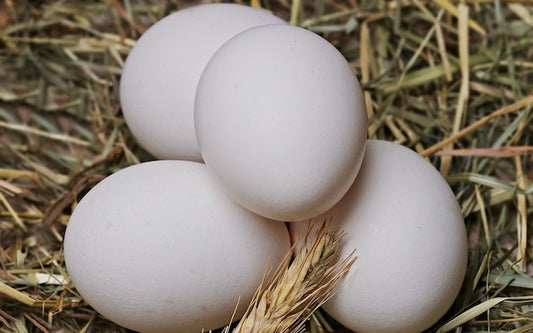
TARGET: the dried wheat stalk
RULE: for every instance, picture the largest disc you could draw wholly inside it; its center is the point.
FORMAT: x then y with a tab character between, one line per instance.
297	288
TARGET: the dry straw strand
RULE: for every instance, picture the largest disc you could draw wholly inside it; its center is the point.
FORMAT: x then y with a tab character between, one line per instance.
527	101
285	302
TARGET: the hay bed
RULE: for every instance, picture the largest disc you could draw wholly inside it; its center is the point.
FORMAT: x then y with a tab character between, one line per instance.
452	81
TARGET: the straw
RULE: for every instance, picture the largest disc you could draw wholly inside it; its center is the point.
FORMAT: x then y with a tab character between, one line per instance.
444	78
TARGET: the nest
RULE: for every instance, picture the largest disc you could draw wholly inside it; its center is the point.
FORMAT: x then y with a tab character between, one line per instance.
451	80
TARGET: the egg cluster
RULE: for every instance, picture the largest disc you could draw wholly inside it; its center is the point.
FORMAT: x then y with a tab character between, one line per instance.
256	123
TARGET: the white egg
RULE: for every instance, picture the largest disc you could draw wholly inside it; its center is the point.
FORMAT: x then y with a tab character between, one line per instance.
157	247
161	73
280	121
406	226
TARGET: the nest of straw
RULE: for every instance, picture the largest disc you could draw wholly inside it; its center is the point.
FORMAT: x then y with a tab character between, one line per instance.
450	79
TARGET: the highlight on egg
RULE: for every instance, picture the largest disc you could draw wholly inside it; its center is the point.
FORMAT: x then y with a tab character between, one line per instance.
158	247
404	222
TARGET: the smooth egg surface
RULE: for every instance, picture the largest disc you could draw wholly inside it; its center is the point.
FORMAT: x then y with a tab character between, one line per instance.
405	224
161	72
281	122
157	247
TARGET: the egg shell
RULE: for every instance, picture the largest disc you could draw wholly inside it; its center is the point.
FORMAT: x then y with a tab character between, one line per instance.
406	226
157	247
160	75
281	122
